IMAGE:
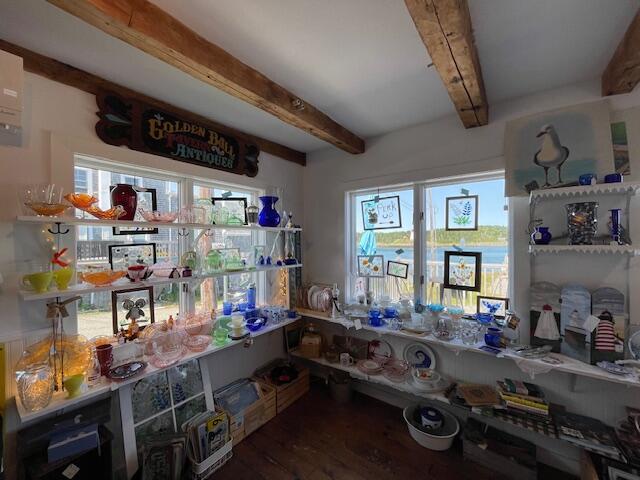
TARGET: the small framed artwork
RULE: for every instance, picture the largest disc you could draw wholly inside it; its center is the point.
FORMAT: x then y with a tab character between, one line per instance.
381	213
462	213
370	266
147	200
121	256
497	306
229	210
132	304
462	270
292	335
397	269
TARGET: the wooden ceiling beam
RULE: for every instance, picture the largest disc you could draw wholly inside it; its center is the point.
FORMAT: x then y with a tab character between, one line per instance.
446	30
623	72
152	30
74	77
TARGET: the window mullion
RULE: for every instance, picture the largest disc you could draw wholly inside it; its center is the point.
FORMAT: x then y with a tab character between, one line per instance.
418	243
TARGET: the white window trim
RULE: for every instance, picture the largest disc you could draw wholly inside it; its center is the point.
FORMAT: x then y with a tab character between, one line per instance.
419	244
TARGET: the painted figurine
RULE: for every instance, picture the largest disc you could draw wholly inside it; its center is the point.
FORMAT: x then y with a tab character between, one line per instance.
547	328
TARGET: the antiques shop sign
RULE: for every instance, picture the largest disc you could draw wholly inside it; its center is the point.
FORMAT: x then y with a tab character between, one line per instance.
148	129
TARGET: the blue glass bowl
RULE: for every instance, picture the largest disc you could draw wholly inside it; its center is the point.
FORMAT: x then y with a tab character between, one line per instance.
485	318
255	324
376	321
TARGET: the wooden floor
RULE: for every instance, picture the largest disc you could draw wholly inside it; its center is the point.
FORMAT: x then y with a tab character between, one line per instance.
317	439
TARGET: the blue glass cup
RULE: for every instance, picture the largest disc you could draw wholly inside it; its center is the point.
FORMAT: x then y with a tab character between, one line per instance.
242	306
492	337
227	308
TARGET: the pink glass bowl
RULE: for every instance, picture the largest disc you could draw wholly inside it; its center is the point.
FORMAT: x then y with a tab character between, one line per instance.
156	216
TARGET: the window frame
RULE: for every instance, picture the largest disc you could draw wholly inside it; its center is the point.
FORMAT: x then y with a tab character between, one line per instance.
419	223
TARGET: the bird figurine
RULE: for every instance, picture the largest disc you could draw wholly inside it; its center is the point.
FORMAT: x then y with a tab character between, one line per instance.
551	154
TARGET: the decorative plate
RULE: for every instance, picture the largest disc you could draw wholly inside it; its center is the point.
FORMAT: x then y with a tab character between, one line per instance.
369	367
420	356
380	350
122	372
614	368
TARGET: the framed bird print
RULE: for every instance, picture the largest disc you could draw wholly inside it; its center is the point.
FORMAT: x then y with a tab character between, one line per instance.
132	305
496	306
552	149
462	270
461	213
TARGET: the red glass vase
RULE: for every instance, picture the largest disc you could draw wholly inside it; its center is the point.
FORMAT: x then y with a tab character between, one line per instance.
125	195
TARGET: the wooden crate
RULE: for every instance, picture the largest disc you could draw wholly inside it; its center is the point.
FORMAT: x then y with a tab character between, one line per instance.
290	392
254	416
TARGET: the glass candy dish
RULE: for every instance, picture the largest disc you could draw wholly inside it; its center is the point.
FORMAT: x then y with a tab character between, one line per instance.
156	216
101	278
168	348
113	213
44	200
81	201
47	209
197	343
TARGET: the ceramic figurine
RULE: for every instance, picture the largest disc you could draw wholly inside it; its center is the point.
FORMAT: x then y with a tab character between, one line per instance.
289	221
607	340
335	294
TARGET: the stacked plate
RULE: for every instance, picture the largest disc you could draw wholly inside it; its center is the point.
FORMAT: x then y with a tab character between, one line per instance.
396	370
370	367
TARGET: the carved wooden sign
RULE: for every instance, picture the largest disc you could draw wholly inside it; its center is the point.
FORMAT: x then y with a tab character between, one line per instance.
148	129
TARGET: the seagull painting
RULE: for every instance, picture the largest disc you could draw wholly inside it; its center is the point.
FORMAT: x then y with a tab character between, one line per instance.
551	154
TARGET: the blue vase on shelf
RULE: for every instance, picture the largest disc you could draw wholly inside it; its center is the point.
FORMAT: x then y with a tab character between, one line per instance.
541	236
269	216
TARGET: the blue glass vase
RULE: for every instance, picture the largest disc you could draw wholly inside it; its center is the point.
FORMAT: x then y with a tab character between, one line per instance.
541	236
269	216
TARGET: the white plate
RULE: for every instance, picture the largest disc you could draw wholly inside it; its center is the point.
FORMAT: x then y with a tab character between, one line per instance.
420	355
310	292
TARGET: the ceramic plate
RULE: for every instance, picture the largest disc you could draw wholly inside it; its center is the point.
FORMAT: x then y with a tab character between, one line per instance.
369	367
420	355
310	293
127	370
380	350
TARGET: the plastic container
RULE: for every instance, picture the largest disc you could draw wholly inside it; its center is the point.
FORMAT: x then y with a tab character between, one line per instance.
440	439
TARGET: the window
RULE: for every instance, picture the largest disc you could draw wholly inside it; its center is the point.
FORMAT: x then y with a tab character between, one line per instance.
376	229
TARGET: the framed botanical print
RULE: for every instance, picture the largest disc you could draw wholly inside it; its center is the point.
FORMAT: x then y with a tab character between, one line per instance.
132	304
462	213
123	255
229	210
370	266
397	269
496	306
462	270
147	200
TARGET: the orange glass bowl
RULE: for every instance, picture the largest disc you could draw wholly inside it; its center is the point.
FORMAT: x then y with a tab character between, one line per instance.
102	278
47	209
113	213
80	200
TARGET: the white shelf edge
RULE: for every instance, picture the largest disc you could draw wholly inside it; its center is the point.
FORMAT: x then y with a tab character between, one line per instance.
60	402
94	222
590	249
570	365
85	288
598	189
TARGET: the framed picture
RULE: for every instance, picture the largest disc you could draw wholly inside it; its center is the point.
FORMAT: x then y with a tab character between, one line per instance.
229	210
462	213
370	266
397	269
462	270
381	214
132	304
292	335
495	305
120	256
148	200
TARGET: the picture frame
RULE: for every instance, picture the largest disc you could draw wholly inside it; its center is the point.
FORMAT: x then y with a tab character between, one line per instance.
397	269
370	266
461	213
120	254
381	214
462	270
496	305
236	208
148	199
118	313
292	335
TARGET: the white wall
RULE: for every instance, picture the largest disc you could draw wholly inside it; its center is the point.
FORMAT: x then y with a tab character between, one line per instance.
441	149
58	122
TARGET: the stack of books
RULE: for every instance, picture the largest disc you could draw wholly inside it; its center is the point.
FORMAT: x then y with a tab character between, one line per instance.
524	398
588	433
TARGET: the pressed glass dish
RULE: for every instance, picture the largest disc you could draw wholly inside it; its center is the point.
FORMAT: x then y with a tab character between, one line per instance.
102	278
81	201
197	343
156	216
47	209
111	214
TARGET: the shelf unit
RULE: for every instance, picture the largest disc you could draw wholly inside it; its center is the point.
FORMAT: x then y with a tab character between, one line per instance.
60	402
570	365
94	222
84	288
597	189
590	249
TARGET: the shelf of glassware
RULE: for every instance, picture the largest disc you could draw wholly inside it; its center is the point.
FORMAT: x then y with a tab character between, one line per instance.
590	249
61	402
405	387
578	190
569	365
85	288
94	222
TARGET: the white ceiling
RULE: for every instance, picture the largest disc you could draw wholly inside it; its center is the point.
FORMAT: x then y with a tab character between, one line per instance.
360	61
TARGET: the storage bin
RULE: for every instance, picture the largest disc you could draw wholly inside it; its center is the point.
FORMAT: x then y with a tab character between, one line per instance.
255	415
204	469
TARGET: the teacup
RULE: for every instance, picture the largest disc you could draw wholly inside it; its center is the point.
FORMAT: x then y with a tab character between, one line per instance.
39	281
346	360
62	277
